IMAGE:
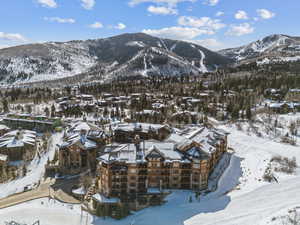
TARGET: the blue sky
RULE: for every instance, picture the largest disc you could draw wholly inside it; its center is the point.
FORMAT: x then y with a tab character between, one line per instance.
215	24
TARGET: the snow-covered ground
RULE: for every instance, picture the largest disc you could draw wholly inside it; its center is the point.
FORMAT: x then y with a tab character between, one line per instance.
48	212
242	197
35	170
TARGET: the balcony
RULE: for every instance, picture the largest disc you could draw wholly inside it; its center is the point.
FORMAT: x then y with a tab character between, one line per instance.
142	172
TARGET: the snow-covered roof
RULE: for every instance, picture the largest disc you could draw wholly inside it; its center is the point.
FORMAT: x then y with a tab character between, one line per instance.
102	199
78	126
79	191
280	104
3	157
80	140
18	138
147	112
145	127
3	127
205	137
128	152
157	105
296	90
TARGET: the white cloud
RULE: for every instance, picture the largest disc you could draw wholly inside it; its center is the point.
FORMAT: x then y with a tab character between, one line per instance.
120	26
241	15
203	22
177	33
209	43
220	13
12	37
161	10
48	3
172	3
211	2
60	20
88	4
96	25
241	29
265	14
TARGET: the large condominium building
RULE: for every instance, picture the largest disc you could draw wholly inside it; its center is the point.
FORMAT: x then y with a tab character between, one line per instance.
183	161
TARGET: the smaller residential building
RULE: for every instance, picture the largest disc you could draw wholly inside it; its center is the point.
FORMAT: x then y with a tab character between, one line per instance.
293	95
126	132
18	145
78	152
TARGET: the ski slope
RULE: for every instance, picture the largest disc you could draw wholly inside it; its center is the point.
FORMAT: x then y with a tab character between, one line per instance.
242	197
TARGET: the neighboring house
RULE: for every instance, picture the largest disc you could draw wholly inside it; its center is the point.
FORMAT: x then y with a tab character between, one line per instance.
126	132
283	107
37	123
18	145
293	95
78	152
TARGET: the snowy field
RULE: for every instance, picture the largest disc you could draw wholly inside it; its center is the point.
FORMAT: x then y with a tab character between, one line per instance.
242	198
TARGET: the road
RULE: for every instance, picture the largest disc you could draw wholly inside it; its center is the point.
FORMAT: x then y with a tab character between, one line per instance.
44	190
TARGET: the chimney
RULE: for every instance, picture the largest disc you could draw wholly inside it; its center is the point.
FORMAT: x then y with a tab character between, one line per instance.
19	135
83	136
137	143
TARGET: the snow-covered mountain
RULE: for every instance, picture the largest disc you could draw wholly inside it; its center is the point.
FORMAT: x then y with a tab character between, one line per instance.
123	55
274	48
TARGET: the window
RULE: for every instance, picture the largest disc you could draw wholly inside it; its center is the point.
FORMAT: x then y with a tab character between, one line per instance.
132	171
196	166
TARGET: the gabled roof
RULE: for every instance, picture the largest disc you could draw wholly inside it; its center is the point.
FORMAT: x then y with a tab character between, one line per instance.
3	127
144	127
18	138
128	152
80	140
202	137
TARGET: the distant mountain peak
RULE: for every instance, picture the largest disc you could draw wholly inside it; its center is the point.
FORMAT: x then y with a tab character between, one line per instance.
273	48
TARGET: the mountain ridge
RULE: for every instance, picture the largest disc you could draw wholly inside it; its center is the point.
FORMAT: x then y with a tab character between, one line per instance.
106	58
270	49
